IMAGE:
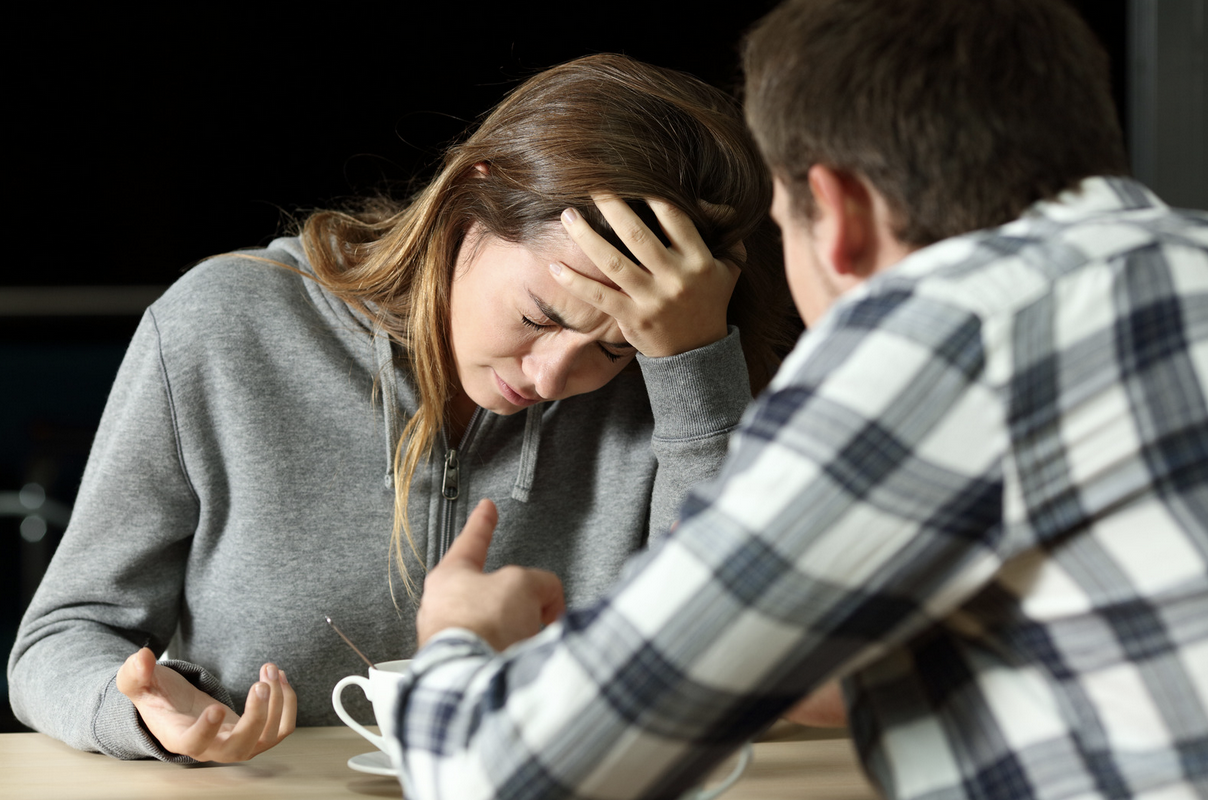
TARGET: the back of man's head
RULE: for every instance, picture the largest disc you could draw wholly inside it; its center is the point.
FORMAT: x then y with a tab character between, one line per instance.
961	113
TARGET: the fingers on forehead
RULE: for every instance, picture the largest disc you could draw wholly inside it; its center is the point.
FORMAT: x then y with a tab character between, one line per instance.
672	221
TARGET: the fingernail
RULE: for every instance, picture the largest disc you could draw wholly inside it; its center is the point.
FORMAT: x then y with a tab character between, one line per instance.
214	715
570	216
262	691
284	679
555	268
270	672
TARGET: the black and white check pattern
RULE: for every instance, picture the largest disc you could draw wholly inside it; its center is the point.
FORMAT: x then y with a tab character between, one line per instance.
978	489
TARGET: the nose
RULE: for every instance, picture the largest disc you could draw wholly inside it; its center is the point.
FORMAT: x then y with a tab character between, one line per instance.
550	368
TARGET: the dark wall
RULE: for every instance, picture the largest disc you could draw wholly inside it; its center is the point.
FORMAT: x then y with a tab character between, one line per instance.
161	149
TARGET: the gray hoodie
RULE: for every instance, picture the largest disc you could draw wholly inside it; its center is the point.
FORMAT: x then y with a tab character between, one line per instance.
239	490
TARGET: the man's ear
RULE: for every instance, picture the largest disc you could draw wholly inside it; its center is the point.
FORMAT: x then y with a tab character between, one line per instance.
844	228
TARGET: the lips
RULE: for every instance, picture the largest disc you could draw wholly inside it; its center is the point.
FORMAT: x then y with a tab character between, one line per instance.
511	395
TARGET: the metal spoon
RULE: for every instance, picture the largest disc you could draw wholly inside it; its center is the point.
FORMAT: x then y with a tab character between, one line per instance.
348	641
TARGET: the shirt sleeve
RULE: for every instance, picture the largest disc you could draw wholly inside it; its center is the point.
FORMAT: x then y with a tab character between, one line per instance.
116	579
861	499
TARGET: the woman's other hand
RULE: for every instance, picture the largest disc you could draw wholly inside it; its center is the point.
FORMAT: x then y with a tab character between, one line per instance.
190	722
671	302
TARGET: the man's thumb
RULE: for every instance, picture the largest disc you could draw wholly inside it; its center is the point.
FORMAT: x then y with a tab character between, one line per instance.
471	544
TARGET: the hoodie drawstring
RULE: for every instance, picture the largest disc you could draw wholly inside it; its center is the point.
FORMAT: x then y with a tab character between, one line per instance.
528	453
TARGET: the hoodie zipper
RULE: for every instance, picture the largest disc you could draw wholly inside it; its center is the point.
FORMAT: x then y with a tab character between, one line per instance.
450	485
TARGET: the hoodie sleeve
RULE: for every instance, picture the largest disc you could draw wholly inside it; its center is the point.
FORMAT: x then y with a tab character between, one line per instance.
697	399
116	579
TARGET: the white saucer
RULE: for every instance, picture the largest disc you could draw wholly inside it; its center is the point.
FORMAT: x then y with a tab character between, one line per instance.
375	763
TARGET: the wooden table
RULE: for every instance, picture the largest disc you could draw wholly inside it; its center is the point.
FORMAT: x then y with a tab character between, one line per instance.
790	762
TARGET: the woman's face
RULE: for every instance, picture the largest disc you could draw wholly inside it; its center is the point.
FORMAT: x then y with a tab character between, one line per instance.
518	336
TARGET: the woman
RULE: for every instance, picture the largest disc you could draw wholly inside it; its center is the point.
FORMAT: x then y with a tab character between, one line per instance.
268	425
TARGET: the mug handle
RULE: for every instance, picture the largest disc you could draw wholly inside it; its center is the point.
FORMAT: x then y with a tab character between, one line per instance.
714	792
377	741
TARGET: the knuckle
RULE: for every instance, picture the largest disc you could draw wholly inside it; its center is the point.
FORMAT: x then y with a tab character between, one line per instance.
636	234
613	263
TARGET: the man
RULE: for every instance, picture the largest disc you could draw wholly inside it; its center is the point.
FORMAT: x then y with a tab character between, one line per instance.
977	490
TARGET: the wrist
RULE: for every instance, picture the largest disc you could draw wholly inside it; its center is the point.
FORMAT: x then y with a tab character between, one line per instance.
698	393
685	341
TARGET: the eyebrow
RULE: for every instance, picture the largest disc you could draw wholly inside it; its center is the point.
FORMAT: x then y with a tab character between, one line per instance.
554	317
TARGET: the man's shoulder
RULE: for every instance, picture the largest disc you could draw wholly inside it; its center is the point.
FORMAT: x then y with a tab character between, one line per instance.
1076	263
1086	232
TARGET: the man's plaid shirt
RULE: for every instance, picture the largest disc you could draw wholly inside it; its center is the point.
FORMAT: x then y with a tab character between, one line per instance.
978	490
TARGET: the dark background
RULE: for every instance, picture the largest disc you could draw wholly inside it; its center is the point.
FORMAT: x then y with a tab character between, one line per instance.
145	142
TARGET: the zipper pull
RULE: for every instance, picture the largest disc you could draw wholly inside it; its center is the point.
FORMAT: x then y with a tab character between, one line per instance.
449	487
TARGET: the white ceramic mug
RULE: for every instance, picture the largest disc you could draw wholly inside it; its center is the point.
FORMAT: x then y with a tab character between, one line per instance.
380	689
713	792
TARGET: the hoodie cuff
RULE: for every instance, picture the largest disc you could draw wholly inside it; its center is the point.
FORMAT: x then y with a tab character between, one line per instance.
119	730
700	393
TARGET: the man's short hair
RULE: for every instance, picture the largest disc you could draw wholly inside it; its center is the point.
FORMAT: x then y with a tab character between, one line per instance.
961	113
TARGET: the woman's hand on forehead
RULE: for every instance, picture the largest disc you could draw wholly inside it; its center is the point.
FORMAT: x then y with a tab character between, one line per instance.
671	302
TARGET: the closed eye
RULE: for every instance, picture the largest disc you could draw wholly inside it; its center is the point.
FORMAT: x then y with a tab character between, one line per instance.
611	355
537	326
534	325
